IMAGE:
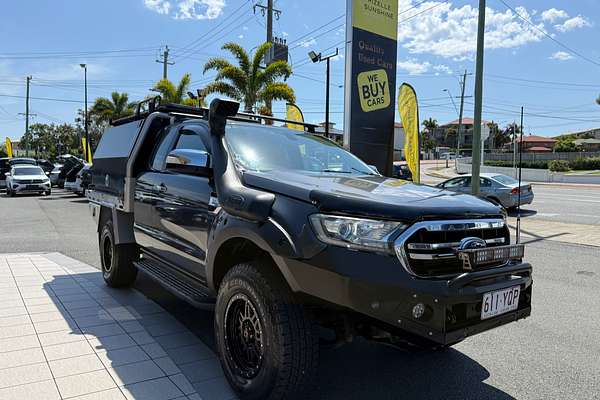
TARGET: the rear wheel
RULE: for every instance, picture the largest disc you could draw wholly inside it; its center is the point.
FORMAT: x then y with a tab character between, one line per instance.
10	192
268	345
116	259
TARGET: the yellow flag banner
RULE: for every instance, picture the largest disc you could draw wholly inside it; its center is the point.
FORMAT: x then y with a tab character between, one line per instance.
293	113
87	155
9	149
409	114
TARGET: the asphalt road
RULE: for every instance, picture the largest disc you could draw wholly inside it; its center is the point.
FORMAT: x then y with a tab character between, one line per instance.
554	354
552	202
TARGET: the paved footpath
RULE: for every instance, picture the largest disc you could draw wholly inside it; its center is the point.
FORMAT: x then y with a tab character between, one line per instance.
65	335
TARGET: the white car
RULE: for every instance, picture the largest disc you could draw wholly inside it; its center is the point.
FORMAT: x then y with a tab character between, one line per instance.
24	178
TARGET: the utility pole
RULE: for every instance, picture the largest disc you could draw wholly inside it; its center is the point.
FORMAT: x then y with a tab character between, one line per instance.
27	116
88	145
460	114
165	61
476	150
268	10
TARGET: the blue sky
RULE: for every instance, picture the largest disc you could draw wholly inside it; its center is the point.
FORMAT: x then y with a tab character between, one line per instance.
122	38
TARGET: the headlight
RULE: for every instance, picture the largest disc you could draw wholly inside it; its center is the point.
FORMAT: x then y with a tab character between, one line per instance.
355	233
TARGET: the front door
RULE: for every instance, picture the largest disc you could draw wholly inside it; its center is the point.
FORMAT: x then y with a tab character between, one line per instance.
181	211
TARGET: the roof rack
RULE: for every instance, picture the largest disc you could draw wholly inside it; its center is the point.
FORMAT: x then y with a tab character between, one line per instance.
153	104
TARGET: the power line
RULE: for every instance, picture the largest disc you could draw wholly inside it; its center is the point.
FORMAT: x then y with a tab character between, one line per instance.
42	98
564	46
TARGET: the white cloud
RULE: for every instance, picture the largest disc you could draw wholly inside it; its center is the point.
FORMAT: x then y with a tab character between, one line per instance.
307	43
573	23
561	56
414	66
440	29
159	6
187	9
240	36
552	15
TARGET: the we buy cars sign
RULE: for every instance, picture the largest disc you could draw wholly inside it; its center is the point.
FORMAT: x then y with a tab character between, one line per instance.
369	109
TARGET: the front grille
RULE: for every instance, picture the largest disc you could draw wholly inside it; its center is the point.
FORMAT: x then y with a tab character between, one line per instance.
428	249
29	181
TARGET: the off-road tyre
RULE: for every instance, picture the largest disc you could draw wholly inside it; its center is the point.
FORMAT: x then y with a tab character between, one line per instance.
116	259
289	336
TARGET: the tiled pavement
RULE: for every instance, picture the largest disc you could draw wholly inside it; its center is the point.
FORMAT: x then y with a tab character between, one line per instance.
65	335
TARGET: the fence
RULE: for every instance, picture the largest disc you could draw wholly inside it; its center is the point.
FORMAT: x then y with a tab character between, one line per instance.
463	166
540	156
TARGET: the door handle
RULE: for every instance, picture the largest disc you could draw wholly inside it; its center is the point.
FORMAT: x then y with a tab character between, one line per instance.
161	188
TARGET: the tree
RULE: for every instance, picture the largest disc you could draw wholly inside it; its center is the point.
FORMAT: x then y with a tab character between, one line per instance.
430	124
3	152
176	94
118	106
48	141
247	82
565	145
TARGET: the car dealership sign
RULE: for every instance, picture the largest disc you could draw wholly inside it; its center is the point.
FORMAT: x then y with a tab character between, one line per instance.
369	98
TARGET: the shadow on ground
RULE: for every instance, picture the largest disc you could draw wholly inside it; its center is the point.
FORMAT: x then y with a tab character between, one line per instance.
363	369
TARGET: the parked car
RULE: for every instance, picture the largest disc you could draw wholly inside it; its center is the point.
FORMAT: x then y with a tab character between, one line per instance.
71	182
22	160
401	171
282	231
82	181
501	189
24	178
4	168
46	165
69	163
54	174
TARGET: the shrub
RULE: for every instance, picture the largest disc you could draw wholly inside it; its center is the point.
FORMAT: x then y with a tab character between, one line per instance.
582	163
558	166
526	164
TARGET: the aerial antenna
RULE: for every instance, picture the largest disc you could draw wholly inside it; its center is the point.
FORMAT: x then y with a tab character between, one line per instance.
519	191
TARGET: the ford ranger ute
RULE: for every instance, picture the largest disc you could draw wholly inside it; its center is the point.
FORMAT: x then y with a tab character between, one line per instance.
293	240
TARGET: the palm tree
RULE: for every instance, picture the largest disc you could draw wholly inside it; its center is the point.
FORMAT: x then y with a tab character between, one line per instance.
118	106
430	124
176	94
247	82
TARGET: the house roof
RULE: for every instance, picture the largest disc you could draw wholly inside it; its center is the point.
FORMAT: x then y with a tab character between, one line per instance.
579	142
465	121
539	148
536	139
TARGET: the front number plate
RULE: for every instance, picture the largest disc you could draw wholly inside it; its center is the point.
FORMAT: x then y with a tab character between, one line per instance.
500	302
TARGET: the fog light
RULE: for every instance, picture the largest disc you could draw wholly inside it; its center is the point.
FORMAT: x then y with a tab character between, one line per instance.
418	310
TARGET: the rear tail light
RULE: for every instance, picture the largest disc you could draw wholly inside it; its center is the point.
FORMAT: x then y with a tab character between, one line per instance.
515	190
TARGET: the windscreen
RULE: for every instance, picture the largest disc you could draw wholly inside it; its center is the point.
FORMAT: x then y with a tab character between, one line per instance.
28	171
265	149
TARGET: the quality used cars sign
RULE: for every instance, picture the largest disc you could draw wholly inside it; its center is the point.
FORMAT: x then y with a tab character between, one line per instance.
370	80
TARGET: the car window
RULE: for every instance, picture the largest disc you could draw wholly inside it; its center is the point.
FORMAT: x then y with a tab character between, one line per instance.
189	140
163	148
506	180
454	183
484	182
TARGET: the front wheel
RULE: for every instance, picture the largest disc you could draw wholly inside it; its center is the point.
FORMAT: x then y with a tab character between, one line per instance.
268	346
116	259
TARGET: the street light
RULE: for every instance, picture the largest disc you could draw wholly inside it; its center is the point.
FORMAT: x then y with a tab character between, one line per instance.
315	58
87	137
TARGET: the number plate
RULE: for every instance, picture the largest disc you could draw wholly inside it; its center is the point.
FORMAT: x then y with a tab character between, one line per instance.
500	302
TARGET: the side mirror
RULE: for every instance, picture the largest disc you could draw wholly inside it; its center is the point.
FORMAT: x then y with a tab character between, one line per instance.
192	162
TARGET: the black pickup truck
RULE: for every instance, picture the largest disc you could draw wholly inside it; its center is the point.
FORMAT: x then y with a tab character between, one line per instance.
293	241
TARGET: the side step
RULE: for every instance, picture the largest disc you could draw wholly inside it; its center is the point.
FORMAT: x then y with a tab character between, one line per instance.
195	294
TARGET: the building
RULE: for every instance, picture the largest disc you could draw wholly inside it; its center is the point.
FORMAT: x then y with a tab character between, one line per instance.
399	138
591	145
533	144
335	134
446	135
593	133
